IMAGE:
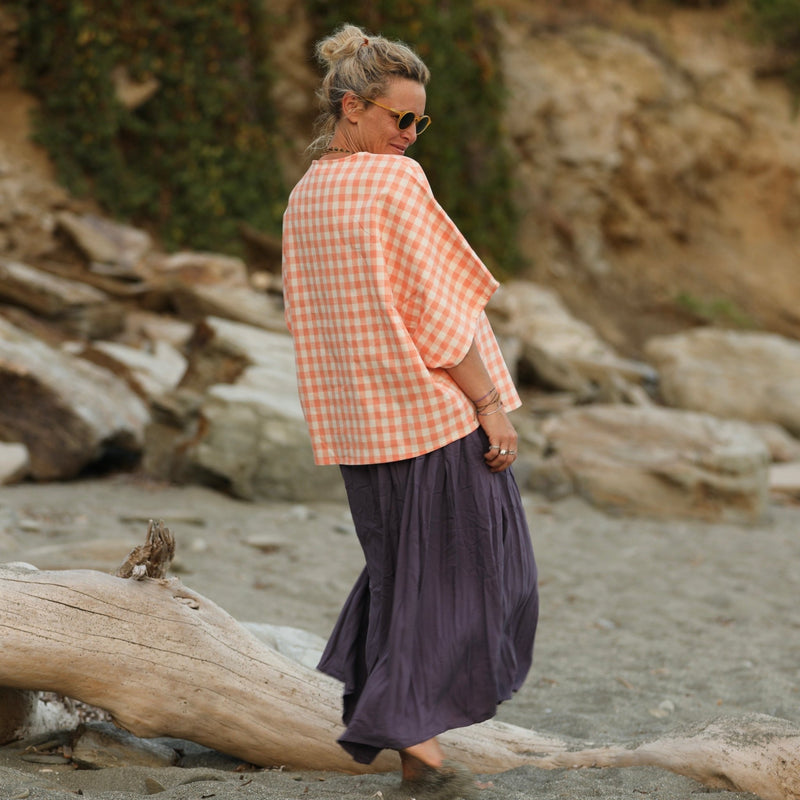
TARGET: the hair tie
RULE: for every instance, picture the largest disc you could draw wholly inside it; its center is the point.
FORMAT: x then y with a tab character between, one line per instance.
365	43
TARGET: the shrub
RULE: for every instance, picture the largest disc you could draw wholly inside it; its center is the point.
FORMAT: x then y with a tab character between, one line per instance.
463	154
193	161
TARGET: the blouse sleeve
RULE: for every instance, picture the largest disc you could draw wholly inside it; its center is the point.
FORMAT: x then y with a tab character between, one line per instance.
439	285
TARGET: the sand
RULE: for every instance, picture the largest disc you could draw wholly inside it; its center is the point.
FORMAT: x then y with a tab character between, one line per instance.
647	626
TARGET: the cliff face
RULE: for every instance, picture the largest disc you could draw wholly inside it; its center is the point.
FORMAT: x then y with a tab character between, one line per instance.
658	169
659	175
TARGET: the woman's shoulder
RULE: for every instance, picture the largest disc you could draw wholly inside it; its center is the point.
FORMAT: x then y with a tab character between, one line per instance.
395	164
397	172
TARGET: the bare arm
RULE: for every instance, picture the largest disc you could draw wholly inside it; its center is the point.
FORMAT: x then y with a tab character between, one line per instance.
473	379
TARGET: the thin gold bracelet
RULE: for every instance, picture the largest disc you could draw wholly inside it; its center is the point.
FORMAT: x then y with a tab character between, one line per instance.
489	413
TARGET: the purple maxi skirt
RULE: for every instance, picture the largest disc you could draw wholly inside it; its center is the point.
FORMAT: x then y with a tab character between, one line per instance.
439	626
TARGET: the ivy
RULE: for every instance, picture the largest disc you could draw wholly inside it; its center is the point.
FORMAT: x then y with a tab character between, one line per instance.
779	22
463	153
201	155
196	159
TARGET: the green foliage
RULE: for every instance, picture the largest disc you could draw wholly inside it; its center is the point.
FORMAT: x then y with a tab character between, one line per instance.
779	18
717	310
197	158
463	154
779	21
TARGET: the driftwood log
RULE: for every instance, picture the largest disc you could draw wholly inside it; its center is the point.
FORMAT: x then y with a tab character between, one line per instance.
756	753
166	661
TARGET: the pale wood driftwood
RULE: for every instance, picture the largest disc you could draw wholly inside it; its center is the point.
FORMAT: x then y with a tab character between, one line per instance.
151	559
756	753
166	661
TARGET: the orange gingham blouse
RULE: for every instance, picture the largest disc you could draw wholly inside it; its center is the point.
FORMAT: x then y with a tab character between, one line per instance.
382	293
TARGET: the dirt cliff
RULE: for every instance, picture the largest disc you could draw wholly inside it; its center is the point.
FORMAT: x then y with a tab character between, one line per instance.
658	164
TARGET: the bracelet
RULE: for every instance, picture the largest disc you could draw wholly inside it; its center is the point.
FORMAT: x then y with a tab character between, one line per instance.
494	400
494	396
489	413
475	402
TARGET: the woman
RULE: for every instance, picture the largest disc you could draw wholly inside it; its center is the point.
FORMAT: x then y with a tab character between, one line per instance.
403	385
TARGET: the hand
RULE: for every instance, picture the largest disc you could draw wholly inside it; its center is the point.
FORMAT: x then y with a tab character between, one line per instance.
502	452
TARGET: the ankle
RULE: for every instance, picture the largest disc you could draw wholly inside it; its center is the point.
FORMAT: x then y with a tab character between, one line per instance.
429	752
420	758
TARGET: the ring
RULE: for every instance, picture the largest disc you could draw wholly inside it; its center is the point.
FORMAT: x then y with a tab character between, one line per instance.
494	447
504	452
512	452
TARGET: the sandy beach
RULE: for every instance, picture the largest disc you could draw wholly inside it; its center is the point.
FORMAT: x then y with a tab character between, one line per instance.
647	626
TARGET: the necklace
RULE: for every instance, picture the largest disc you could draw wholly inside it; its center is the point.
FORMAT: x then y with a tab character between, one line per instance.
338	150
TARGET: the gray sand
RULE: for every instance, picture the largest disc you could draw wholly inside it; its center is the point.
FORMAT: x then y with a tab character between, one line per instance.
647	626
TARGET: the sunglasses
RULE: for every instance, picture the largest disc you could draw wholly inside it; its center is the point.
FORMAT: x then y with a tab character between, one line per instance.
405	118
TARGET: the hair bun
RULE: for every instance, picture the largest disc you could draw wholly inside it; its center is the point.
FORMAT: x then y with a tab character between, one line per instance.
343	44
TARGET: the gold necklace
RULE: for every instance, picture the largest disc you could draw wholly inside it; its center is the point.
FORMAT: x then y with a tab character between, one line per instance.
338	150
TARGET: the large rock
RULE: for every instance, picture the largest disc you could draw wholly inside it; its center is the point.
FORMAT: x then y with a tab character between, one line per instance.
14	462
151	372
749	376
662	462
44	293
247	433
255	442
66	411
75	306
198	285
238	303
110	247
192	268
560	351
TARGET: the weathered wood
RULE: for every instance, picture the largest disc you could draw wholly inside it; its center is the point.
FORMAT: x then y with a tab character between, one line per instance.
151	559
166	661
757	754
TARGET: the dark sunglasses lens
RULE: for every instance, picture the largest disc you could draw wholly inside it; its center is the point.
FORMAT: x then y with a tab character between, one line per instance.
405	120
423	124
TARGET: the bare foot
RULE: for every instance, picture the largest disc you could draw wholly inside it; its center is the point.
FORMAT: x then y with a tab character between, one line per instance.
447	782
415	758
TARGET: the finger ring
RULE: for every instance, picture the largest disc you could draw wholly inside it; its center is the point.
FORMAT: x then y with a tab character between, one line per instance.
512	452
504	452
494	447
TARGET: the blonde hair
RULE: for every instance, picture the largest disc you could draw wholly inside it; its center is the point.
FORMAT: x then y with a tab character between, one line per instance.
362	64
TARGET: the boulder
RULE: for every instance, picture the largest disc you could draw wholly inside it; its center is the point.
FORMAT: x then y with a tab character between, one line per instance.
784	480
661	462
782	446
192	268
235	421
255	440
750	376
14	463
144	326
110	247
150	372
221	349
238	303
561	352
66	411
295	643
44	293
100	745
72	305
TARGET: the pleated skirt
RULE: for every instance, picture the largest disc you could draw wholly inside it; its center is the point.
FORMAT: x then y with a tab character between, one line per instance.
440	625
